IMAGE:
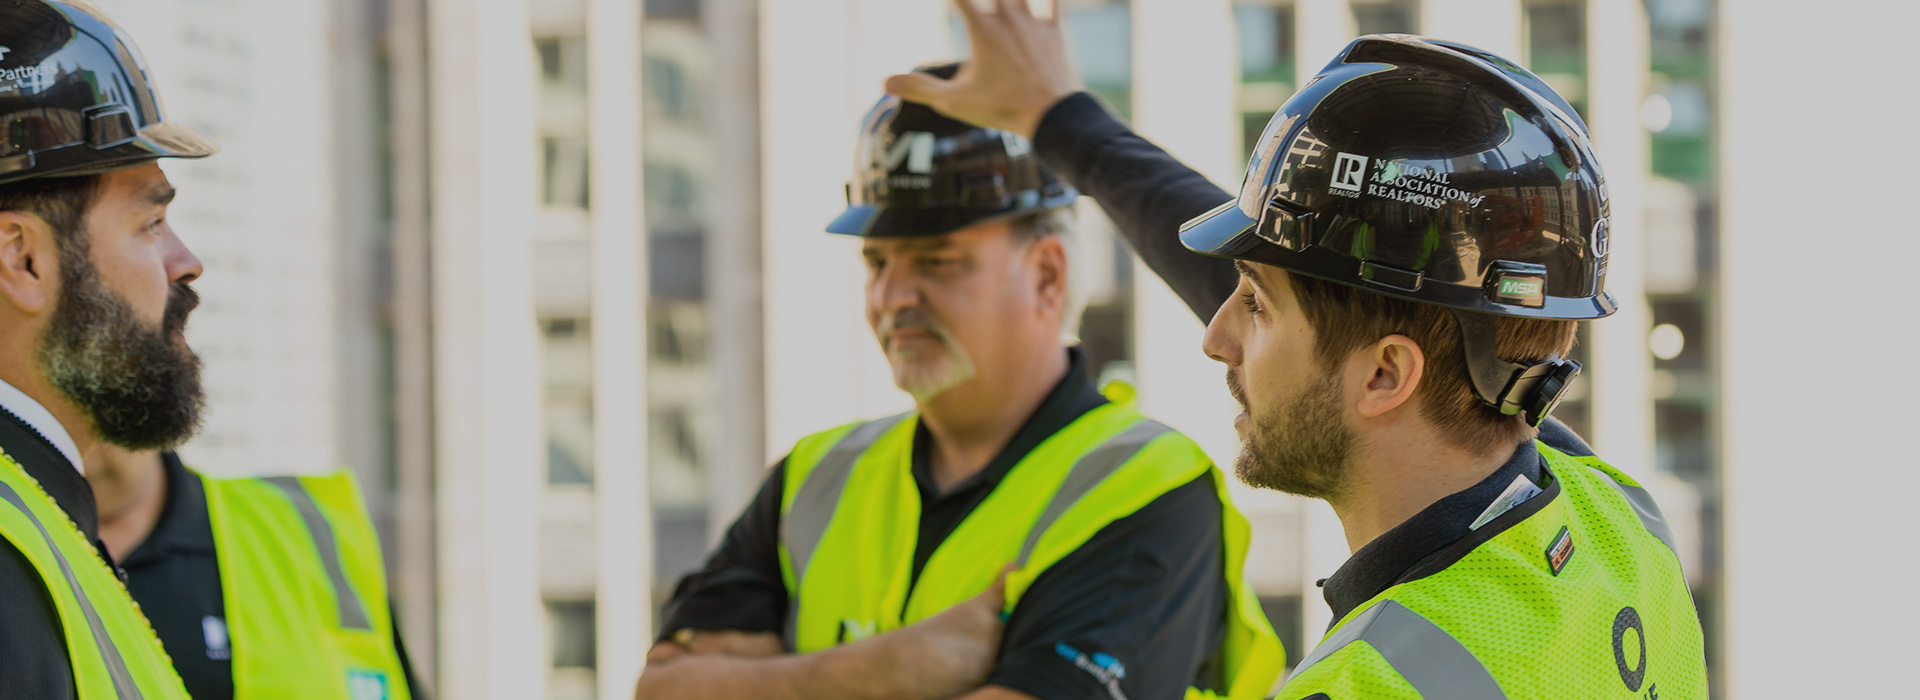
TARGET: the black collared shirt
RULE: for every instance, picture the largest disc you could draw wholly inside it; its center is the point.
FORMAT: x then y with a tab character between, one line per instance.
1148	194
1148	589
175	576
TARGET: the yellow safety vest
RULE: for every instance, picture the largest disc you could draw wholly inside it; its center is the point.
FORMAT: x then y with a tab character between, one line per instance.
848	570
1582	598
305	590
114	652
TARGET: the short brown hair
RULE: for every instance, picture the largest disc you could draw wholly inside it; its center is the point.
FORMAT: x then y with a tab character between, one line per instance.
1347	318
60	201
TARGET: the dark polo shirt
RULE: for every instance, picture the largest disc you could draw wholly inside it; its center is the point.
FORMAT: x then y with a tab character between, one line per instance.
1148	589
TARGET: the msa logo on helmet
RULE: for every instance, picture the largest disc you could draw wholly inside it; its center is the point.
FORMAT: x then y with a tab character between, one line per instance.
1519	288
1349	173
914	148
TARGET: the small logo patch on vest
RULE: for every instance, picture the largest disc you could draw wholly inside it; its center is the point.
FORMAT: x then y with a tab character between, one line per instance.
214	630
366	685
1560	551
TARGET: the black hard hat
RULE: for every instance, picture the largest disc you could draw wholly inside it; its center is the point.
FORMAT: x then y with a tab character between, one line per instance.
76	97
1437	173
916	173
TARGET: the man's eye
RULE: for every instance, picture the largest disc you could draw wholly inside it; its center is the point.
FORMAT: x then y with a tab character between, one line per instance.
1252	304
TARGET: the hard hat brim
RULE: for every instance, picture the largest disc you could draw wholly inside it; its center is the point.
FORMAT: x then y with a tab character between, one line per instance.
1223	232
163	140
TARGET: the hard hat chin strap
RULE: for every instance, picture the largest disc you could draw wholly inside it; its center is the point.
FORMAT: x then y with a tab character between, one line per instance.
1531	390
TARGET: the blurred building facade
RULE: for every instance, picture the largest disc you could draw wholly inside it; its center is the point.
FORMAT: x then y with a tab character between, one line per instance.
551	277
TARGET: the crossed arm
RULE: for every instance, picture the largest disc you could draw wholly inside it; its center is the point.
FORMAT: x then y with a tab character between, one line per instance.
945	656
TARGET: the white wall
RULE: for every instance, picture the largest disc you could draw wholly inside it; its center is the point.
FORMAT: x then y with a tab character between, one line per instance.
1815	334
260	216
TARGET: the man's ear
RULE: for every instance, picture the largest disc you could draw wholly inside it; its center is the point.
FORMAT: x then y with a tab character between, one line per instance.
1050	260
1393	367
29	263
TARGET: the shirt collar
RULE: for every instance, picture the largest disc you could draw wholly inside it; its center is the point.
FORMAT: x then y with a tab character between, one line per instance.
1072	397
41	420
1392	557
184	525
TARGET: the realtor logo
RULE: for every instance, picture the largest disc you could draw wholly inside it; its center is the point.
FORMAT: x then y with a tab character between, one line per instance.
1349	172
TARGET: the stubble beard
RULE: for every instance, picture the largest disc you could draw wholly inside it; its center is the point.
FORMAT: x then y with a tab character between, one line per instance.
925	375
1304	451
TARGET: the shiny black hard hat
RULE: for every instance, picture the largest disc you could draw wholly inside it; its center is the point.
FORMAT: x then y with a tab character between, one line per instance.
1437	173
917	173
76	97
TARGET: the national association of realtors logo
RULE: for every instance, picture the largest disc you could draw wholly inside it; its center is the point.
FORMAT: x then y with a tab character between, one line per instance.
1349	172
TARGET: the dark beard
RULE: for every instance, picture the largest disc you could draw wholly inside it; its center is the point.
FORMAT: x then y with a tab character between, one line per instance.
1305	453
140	385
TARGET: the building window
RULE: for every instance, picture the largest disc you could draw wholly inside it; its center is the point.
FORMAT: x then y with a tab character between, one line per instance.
1386	16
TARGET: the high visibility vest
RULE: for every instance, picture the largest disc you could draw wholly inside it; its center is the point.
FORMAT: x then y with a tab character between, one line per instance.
849	570
305	590
1583	598
110	644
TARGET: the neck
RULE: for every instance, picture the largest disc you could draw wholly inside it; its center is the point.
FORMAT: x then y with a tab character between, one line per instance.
971	423
1394	479
131	490
19	369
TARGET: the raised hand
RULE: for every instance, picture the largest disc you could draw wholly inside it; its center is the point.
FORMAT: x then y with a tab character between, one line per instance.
1018	70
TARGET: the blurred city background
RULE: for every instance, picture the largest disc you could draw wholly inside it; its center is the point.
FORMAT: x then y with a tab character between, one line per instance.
550	276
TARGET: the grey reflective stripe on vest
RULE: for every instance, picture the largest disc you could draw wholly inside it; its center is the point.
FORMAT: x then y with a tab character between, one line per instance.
352	614
1644	507
1430	660
806	520
109	654
1087	473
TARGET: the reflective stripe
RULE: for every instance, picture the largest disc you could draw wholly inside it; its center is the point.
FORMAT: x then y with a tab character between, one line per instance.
806	521
1644	507
109	654
352	614
1430	660
1087	473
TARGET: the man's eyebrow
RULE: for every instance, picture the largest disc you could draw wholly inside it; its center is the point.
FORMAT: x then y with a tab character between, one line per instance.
1246	271
162	195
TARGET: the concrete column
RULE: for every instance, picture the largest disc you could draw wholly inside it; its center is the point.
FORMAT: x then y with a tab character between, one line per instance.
1321	29
618	235
1813	332
486	365
1622	366
1324	27
413	554
1184	80
821	68
1493	25
734	273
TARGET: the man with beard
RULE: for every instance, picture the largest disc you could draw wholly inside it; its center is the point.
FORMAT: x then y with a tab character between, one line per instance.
1392	292
94	299
875	552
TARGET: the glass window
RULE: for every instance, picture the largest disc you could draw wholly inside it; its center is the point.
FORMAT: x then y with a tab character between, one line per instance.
1556	44
1386	16
570	642
1267	55
679	152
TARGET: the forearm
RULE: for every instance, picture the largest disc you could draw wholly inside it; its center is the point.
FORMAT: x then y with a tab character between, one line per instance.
994	692
1147	192
869	669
